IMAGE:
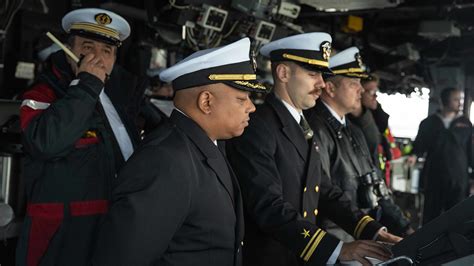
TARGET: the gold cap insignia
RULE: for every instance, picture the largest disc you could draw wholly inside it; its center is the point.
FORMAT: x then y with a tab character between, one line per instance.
326	50
103	19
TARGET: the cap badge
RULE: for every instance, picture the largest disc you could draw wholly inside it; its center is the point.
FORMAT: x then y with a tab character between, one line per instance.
103	19
253	60
359	60
326	50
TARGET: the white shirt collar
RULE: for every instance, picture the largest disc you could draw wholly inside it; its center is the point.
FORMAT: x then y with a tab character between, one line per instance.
294	113
447	120
176	108
341	120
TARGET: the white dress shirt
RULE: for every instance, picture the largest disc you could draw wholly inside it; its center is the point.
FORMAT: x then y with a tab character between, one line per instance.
120	132
341	120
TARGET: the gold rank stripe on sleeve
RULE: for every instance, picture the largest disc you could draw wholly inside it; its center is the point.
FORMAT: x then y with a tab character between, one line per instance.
309	243
312	245
232	77
361	225
90	134
306	60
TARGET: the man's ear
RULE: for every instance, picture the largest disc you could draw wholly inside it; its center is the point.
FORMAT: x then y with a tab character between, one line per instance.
204	101
330	89
283	72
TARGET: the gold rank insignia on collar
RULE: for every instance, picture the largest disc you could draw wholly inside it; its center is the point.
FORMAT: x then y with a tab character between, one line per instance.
90	134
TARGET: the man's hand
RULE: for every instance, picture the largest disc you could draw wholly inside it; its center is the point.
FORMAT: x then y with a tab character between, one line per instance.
94	65
385	236
360	249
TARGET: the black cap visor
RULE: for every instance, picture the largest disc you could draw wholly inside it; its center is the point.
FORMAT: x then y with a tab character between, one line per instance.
238	75
351	70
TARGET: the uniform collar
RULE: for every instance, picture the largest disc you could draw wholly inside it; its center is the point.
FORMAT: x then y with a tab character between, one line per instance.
213	141
333	113
294	113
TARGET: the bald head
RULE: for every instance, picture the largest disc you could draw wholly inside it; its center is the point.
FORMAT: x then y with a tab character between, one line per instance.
186	100
222	111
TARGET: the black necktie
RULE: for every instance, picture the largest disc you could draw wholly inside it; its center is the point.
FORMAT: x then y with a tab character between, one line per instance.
307	131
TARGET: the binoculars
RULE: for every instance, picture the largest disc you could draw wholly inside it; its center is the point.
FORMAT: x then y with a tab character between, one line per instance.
371	189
